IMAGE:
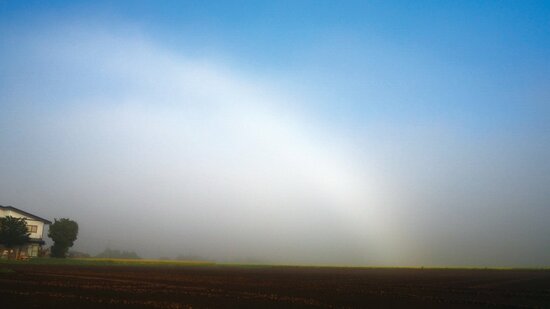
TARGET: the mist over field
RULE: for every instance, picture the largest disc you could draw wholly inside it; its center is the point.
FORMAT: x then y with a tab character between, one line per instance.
399	135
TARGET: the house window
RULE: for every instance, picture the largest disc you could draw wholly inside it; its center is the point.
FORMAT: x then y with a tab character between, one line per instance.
32	228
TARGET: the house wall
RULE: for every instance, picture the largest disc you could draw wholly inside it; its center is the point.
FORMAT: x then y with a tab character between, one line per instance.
40	225
28	250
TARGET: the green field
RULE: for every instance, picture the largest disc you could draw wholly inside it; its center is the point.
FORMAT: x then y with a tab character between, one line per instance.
185	263
107	261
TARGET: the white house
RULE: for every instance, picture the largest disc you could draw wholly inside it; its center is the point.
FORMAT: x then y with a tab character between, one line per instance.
35	225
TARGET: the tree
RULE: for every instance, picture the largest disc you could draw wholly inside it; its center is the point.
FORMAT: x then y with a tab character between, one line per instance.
117	254
13	232
63	232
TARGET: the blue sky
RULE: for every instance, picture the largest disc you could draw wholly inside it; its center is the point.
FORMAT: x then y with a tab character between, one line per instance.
452	55
393	132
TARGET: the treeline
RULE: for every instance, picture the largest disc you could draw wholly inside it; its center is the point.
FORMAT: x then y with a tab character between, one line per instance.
190	257
117	254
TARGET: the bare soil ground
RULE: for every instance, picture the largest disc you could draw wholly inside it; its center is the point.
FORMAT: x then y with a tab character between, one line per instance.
65	286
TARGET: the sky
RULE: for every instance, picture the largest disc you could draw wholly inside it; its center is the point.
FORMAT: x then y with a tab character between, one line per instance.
376	133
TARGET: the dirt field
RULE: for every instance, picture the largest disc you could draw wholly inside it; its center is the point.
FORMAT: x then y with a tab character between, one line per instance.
64	286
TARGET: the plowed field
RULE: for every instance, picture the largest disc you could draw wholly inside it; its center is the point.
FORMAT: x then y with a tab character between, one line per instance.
64	286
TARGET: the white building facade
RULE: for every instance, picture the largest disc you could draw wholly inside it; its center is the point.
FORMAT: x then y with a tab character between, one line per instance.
35	226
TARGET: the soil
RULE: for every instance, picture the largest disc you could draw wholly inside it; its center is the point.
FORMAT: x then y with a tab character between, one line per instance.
63	286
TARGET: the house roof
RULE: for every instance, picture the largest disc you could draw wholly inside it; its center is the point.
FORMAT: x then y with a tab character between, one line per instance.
36	241
26	214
